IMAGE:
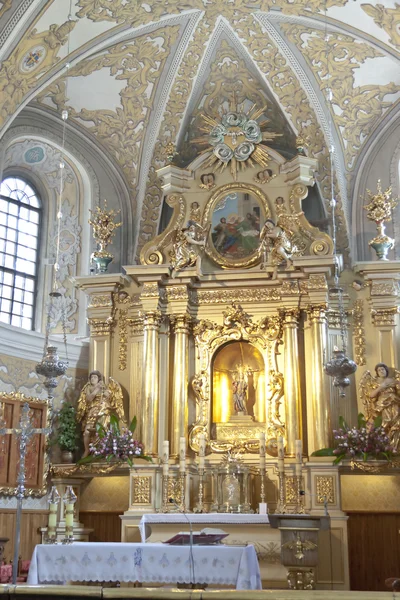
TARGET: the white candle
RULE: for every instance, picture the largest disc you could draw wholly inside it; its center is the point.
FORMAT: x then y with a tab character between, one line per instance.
202	450
165	458
69	518
52	524
281	455
262	451
182	454
299	456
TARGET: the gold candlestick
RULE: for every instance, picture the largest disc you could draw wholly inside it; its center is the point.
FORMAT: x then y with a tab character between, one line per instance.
262	490
165	505
199	508
299	508
182	488
281	506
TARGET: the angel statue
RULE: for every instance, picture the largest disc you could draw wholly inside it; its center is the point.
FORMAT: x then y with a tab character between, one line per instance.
381	396
96	404
186	249
276	238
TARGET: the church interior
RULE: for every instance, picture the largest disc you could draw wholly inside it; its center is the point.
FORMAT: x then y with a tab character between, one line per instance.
200	296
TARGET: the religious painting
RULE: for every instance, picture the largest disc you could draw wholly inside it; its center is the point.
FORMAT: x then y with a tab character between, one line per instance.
235	216
36	460
238	384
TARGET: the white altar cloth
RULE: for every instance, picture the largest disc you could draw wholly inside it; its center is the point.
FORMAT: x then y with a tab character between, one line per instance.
150	563
206	518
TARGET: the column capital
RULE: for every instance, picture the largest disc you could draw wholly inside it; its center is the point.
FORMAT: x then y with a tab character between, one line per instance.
181	323
384	317
317	312
289	316
151	319
101	326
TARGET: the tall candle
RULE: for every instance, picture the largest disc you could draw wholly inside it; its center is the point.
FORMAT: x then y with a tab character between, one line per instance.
52	523
202	450
281	455
165	458
182	454
299	456
262	451
69	518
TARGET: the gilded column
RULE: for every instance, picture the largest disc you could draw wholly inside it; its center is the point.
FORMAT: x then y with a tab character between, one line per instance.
179	425
151	325
292	378
321	417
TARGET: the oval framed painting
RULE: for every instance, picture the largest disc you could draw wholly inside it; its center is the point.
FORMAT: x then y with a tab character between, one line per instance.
234	217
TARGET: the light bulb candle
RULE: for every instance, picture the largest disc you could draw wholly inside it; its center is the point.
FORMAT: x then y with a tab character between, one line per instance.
202	450
165	458
182	455
262	451
69	500
54	499
299	457
281	455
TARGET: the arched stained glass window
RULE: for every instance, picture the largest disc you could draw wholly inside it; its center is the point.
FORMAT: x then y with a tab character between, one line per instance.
20	212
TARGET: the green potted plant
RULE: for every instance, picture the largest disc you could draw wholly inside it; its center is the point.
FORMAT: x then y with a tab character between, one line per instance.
66	434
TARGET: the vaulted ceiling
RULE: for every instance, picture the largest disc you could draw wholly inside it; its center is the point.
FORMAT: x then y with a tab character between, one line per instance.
135	76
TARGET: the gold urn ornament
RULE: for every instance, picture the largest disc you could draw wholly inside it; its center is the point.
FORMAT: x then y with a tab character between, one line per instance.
104	228
379	209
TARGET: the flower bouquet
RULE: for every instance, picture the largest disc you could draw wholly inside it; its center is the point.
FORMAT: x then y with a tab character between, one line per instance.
115	443
366	441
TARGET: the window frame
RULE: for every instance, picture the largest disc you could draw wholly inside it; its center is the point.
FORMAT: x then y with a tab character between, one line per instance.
35	278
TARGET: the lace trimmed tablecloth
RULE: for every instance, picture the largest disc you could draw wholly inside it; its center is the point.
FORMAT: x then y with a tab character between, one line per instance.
89	561
206	518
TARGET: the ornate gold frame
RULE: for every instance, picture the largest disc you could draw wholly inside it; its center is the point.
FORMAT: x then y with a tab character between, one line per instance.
44	459
251	260
266	335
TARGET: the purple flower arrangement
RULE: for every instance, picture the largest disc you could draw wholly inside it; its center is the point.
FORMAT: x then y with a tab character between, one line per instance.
115	443
366	441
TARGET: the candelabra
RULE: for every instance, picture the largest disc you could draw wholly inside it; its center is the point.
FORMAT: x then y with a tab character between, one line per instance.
165	504
182	488
281	506
262	490
299	508
69	500
199	508
23	433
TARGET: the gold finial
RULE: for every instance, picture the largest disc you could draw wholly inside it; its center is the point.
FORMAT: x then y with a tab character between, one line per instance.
170	151
380	205
379	209
104	228
301	143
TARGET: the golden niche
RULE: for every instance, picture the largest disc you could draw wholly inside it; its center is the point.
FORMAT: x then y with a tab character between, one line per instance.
238	391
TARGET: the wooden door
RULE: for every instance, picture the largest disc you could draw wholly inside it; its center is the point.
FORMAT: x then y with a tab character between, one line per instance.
374	549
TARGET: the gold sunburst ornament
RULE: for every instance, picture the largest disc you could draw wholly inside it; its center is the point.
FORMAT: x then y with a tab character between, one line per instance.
237	139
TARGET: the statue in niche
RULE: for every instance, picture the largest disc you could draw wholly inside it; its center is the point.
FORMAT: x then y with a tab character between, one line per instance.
188	244
239	387
97	402
381	396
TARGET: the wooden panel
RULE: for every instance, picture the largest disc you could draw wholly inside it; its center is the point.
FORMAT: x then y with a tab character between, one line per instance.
31	522
10	408
106	525
374	550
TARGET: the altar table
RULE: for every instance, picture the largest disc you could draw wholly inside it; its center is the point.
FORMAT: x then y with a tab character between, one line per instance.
207	519
147	563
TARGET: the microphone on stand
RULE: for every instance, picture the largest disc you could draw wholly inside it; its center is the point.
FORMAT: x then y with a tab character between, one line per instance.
191	558
325	499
